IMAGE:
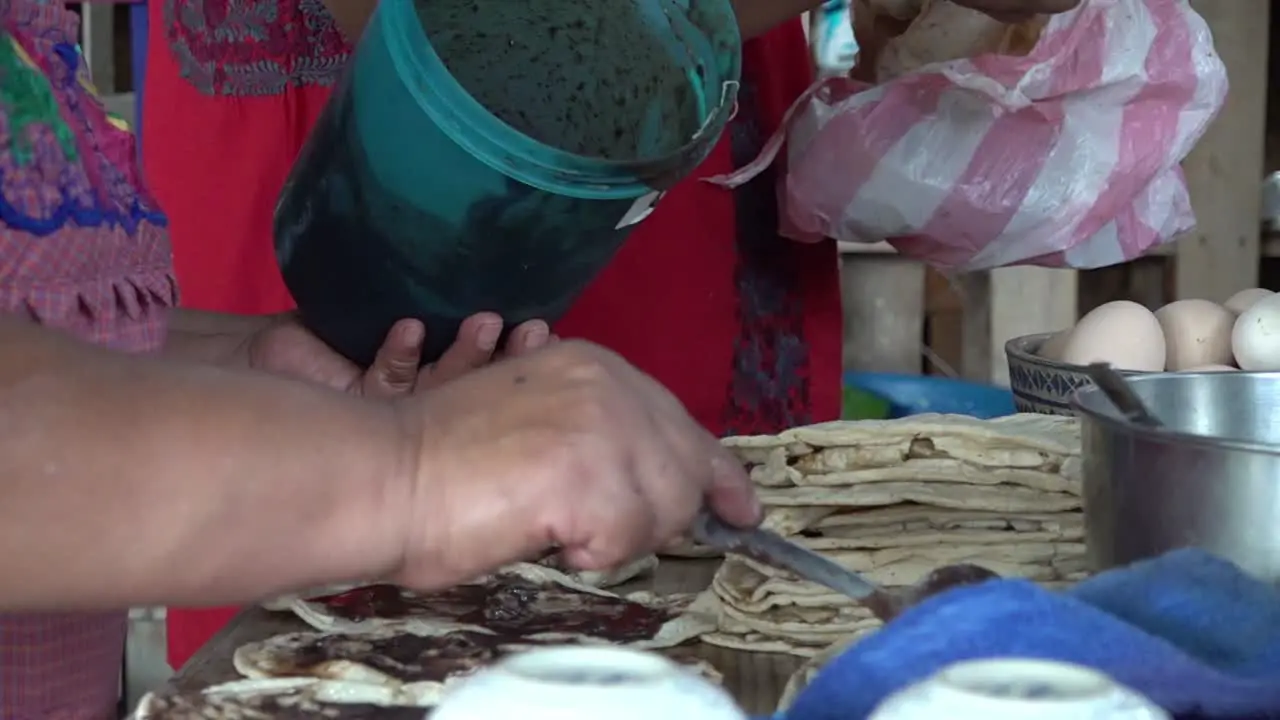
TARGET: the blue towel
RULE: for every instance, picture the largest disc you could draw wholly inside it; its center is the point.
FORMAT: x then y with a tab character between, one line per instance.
1188	630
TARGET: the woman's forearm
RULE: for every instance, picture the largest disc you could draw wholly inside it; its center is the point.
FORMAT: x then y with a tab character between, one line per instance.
211	338
134	480
756	17
351	16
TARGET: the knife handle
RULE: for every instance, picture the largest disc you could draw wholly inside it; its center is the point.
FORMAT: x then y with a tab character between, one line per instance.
708	529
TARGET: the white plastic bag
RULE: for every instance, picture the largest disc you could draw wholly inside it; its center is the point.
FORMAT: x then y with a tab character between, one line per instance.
1065	156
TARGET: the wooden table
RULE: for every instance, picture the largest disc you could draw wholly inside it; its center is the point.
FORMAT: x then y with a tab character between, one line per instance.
755	679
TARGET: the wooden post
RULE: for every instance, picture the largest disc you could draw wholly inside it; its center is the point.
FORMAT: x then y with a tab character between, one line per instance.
883	298
1008	302
1224	172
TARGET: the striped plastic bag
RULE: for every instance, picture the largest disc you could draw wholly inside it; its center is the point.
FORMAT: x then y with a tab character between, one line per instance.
1065	156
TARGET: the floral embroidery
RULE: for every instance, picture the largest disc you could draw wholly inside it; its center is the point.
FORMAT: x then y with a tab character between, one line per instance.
29	100
62	159
254	47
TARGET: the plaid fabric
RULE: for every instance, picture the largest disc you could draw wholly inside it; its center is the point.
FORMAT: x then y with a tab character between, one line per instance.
61	667
83	249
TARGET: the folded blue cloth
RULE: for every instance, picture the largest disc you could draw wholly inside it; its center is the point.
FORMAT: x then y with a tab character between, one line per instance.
1188	630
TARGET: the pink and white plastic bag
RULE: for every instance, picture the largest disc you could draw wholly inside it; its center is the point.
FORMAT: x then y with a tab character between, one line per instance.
1065	157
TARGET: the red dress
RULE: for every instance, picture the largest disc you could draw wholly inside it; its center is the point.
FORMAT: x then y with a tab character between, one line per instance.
741	324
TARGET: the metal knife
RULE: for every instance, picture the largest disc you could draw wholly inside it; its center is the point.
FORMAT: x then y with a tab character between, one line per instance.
772	549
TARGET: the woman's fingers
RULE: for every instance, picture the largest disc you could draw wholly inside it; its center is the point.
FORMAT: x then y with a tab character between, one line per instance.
528	336
474	348
394	371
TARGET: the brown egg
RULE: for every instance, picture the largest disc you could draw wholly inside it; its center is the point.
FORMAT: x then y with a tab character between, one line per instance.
1196	332
1245	299
1053	347
1122	333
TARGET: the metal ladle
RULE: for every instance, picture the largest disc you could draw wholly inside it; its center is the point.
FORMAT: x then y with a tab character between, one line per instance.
1121	394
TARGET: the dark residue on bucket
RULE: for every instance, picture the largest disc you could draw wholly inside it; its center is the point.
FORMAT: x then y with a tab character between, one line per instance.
606	78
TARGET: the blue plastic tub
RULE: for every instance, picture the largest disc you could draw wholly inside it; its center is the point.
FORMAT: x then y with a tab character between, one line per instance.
494	155
916	394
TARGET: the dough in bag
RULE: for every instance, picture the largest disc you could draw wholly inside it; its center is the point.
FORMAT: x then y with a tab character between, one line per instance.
945	31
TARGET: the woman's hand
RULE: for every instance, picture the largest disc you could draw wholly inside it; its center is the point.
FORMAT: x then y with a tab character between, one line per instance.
285	347
566	447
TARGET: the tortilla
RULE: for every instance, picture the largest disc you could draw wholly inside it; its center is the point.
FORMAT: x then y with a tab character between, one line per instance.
802	624
770	596
688	549
842	537
758	643
413	666
604	578
948	471
753	587
1007	499
594	578
284	603
521	603
782	520
941	447
804	674
1053	434
759	448
911	517
280	699
776	471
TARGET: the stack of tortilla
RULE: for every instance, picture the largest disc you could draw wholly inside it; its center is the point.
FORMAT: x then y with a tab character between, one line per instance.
894	500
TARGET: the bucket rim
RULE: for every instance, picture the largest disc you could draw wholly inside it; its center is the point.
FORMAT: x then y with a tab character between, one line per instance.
506	149
1092	405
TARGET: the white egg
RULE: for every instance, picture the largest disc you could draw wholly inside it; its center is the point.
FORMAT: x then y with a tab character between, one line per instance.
1211	368
1122	333
1255	339
1246	299
1196	332
1052	348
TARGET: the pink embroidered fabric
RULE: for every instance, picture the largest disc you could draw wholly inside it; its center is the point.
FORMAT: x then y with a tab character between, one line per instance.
82	249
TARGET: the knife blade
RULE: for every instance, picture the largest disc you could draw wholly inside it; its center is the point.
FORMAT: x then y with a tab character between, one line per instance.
772	549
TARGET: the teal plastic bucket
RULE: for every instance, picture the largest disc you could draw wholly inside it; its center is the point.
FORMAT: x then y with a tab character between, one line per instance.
493	155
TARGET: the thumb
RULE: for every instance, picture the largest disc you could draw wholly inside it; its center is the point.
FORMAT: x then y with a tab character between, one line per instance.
731	493
395	368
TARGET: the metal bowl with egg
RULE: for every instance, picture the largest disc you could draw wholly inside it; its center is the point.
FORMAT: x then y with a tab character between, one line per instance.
1210	478
1189	335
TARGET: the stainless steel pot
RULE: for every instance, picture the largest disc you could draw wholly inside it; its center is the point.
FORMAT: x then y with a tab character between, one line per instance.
1210	479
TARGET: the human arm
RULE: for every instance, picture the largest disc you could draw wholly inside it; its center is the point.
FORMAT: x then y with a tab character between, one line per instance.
212	338
756	17
131	480
351	16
